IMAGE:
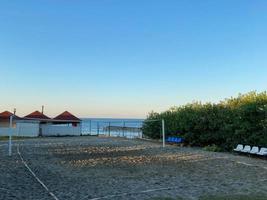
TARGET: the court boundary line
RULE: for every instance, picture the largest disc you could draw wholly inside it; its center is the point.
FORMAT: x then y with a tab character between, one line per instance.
131	193
35	176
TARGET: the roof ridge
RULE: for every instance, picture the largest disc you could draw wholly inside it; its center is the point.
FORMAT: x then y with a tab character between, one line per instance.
66	115
37	114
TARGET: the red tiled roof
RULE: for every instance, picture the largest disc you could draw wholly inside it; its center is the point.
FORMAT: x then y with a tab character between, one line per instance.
67	116
37	115
6	115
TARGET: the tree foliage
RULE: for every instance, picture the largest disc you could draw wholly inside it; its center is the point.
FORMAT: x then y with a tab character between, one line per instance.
225	124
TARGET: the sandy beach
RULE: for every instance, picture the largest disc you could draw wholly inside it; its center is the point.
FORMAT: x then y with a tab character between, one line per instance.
115	168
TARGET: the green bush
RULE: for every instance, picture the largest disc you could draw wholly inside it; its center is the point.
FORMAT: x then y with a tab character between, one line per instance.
213	148
225	124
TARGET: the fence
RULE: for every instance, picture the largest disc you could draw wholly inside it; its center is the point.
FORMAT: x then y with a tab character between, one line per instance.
113	127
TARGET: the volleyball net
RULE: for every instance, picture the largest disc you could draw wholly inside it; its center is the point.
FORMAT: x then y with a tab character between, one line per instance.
122	128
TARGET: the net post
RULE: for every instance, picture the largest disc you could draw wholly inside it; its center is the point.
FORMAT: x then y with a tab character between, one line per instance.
10	136
109	124
163	133
97	128
90	127
123	132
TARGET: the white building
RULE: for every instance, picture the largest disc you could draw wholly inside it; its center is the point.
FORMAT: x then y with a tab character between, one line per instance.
38	124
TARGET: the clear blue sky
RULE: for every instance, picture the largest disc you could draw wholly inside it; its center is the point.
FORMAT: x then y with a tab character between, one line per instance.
117	58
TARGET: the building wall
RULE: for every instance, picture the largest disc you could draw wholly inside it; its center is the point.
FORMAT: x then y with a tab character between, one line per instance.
55	130
4	131
5	124
21	129
28	129
32	129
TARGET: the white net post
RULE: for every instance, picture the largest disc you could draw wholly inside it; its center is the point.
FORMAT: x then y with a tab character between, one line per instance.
163	133
10	136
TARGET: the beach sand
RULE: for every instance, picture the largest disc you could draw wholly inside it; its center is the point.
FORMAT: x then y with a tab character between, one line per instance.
117	168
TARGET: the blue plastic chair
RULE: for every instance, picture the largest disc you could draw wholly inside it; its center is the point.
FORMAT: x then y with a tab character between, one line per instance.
175	140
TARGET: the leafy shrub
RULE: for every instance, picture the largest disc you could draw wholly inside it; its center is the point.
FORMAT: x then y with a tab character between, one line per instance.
213	148
225	124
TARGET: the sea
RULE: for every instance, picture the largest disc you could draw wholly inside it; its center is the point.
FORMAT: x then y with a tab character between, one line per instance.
129	128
